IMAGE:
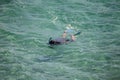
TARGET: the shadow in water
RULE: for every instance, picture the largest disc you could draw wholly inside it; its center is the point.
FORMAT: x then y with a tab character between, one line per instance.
51	57
47	58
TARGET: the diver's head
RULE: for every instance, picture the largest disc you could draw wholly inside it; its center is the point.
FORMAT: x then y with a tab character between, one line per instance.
51	42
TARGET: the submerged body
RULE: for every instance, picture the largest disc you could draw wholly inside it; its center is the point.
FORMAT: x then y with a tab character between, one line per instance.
58	41
61	40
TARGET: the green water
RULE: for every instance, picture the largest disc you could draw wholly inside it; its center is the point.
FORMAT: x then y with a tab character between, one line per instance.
26	25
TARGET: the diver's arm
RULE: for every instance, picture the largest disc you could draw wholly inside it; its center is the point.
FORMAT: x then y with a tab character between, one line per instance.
64	34
73	38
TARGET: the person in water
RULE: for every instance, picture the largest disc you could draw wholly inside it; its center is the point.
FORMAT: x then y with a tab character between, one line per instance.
62	40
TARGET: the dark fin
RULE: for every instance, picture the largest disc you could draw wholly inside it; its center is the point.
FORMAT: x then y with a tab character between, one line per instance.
77	33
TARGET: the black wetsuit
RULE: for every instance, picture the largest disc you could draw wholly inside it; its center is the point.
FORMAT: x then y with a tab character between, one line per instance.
58	41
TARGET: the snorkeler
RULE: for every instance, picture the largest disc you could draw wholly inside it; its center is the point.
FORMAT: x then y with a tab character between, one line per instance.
63	39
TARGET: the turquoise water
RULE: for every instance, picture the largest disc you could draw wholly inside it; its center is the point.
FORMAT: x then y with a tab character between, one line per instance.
26	25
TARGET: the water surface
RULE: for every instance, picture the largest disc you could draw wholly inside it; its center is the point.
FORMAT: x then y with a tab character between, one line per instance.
26	25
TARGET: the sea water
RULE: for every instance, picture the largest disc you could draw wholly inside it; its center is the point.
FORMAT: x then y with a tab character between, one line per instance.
27	25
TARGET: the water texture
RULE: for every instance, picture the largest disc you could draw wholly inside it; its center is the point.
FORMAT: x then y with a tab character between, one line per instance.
26	26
